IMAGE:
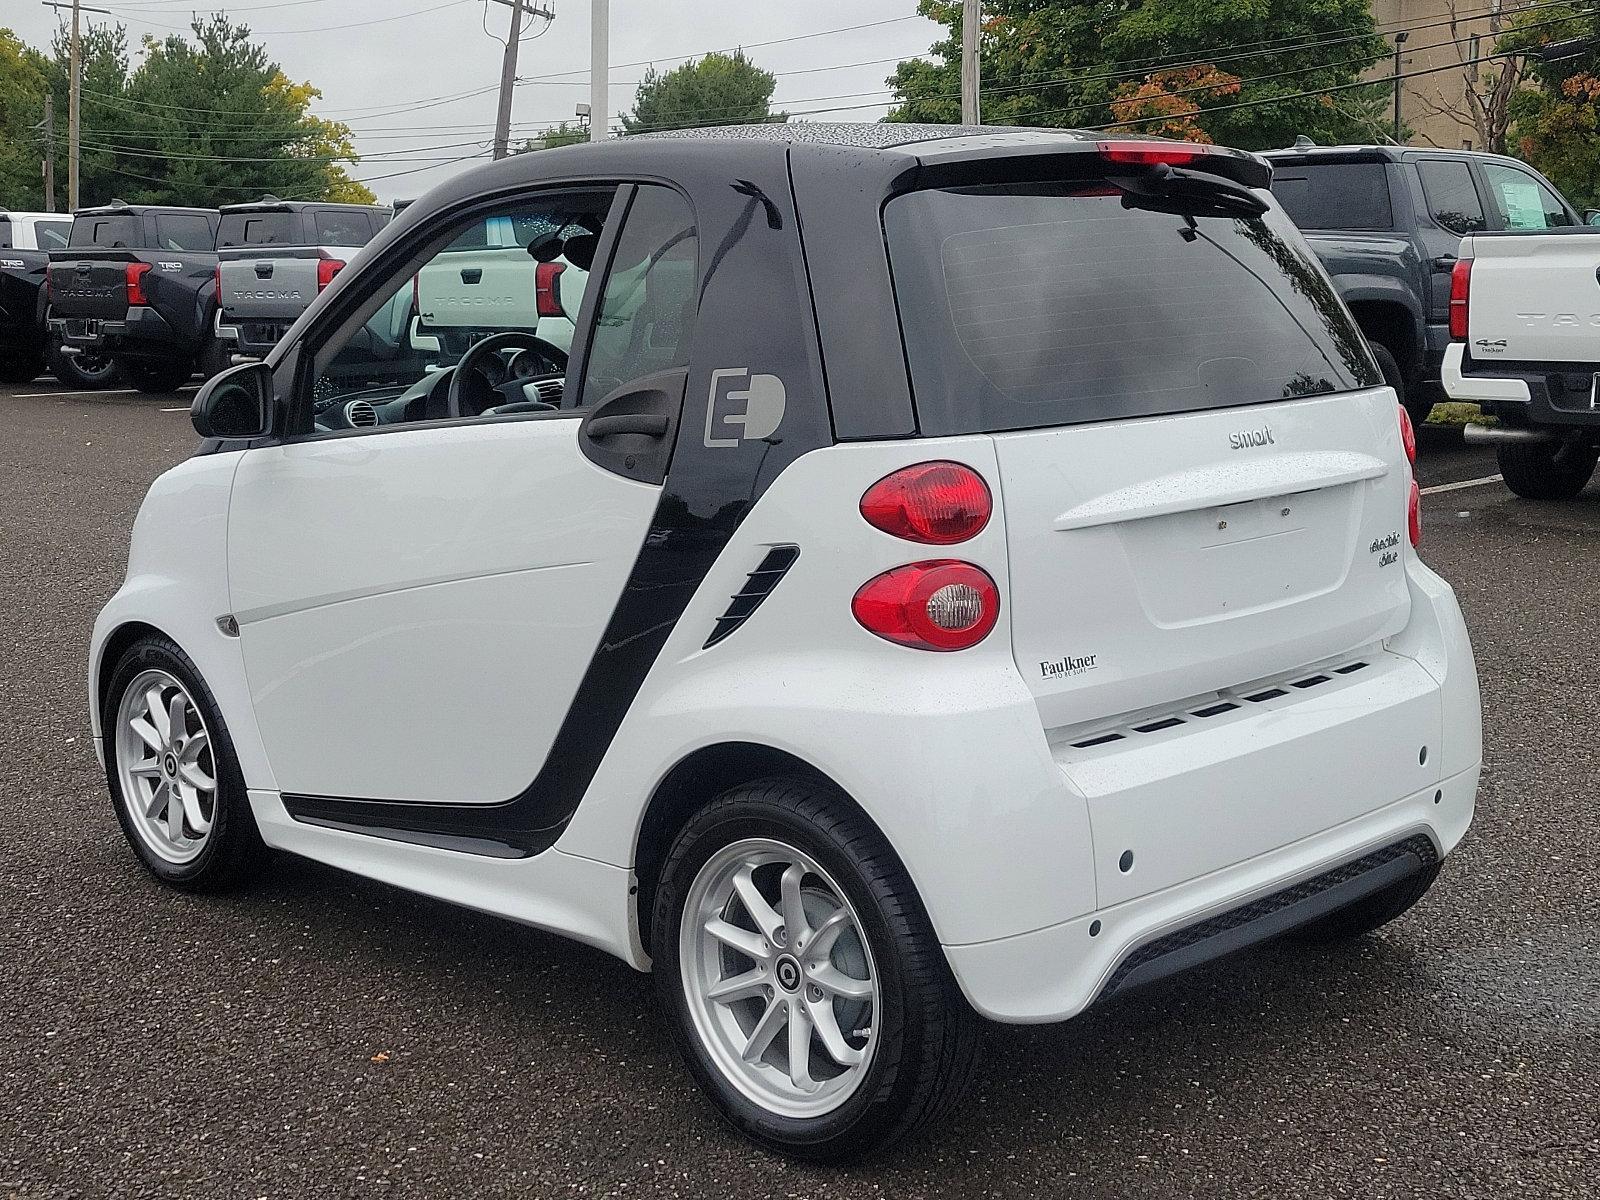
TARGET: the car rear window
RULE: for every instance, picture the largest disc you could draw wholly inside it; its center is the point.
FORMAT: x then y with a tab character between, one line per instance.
1046	305
123	229
184	231
52	235
337	228
259	229
1334	195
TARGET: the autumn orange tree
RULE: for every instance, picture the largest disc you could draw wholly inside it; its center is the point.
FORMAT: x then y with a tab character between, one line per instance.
1555	122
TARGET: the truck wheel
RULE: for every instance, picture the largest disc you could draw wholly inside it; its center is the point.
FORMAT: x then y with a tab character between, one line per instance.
174	779
1418	407
1370	912
20	366
158	374
1547	470
83	370
216	358
800	977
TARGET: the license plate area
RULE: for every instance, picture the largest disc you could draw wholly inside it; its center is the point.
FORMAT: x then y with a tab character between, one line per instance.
83	327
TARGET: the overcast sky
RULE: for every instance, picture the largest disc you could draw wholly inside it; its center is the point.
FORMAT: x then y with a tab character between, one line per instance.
391	77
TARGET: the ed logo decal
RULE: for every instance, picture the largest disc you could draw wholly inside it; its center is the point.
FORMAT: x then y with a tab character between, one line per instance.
742	407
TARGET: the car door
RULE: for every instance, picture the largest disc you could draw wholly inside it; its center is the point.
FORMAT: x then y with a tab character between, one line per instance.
419	591
1455	209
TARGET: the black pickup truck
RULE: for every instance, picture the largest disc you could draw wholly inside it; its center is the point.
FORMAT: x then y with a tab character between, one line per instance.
1386	221
137	282
25	242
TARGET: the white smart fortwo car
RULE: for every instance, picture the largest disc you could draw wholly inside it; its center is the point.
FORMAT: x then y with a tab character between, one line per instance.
940	573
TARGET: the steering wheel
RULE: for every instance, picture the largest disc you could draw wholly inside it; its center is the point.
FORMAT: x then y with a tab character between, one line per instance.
508	388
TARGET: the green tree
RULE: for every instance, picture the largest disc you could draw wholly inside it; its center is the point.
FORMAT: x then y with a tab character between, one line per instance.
1555	124
1231	71
22	87
719	89
562	135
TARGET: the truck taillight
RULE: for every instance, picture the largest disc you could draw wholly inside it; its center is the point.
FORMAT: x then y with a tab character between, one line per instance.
547	289
216	280
327	268
942	604
1460	291
135	278
936	503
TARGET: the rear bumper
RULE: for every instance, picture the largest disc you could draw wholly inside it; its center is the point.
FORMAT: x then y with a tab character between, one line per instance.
254	337
1526	393
1052	974
143	332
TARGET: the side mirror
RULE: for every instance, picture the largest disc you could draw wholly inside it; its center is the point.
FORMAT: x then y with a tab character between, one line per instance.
1592	217
235	404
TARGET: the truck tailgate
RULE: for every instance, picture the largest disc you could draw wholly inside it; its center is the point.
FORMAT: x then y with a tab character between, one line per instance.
1535	297
85	286
275	288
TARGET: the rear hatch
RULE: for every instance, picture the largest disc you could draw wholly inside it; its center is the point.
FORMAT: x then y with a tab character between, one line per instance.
1202	484
1533	297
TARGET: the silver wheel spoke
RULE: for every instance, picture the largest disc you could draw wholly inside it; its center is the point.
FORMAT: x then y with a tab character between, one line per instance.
148	768
174	817
831	1036
794	909
177	716
191	810
739	987
196	745
191	774
148	733
766	1029
800	1047
157	802
762	913
821	943
746	943
830	979
157	714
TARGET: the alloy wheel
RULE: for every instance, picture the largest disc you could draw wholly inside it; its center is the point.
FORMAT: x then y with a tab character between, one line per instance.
165	766
779	978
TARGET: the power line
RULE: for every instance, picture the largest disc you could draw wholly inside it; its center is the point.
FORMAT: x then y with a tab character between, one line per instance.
141	20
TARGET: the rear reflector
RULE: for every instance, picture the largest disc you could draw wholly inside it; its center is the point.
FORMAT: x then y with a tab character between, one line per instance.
1408	435
547	289
943	604
936	503
327	268
1460	291
1149	154
135	278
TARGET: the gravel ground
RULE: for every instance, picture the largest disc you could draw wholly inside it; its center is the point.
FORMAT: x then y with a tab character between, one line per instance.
321	1035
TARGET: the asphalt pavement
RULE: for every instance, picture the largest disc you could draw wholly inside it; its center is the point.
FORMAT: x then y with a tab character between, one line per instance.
320	1035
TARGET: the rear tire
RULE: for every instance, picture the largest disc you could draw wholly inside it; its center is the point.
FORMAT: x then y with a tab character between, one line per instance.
889	1041
21	366
1547	470
157	374
84	371
163	730
1417	406
216	358
1371	912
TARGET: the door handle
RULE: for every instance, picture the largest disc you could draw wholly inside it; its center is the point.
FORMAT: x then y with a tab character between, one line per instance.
1444	262
471	274
648	424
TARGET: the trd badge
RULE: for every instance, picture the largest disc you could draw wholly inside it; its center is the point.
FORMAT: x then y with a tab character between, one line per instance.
742	407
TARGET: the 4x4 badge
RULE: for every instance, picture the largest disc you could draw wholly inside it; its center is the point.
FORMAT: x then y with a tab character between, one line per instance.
737	414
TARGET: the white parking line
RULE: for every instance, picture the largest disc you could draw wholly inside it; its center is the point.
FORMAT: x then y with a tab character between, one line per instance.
188	387
1465	483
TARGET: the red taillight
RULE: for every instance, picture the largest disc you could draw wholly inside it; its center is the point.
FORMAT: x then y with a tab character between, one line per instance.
1460	290
1414	515
327	268
943	604
135	278
937	503
1149	154
216	280
547	289
1408	435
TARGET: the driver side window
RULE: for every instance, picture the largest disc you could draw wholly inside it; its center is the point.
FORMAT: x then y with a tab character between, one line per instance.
516	275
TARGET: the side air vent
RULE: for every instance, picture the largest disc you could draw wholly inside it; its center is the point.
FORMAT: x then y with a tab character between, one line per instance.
550	391
360	414
756	588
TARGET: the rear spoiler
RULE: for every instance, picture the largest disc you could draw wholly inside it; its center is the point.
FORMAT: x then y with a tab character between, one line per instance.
967	161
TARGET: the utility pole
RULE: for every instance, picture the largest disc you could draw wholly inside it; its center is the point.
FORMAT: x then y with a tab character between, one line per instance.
508	66
49	152
72	99
1399	40
969	63
599	71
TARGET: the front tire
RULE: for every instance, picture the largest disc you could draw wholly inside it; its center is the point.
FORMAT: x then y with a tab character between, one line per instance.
801	978
175	782
158	374
88	371
1547	470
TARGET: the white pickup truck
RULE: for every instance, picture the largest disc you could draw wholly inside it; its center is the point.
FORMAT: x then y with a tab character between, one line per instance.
1525	330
